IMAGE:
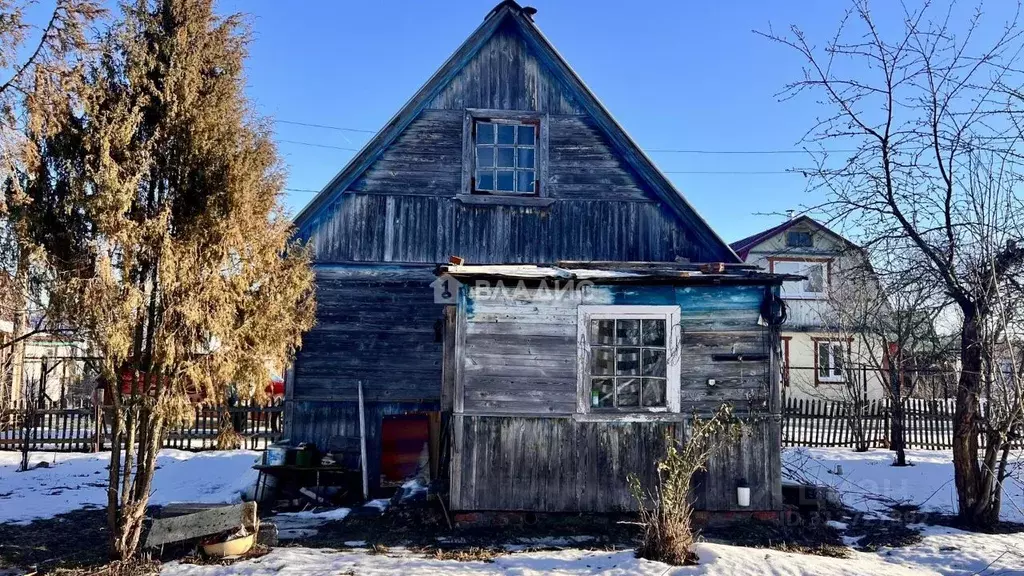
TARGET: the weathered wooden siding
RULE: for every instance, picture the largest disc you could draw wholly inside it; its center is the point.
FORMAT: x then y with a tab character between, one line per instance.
756	458
520	443
378	228
381	331
555	464
568	465
404	207
506	75
520	354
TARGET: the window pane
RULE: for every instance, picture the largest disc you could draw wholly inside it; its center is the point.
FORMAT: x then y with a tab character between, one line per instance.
653	392
627	392
506	157
627	332
602	331
484	156
799	239
815	278
524	181
653	362
602	362
484	133
627	361
823	359
525	157
526	135
485	180
654	332
837	359
602	393
506	179
506	134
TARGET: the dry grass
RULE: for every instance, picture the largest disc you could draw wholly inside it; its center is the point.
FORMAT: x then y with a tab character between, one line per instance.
471	554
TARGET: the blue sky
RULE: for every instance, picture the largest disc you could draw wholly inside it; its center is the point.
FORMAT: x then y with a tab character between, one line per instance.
676	75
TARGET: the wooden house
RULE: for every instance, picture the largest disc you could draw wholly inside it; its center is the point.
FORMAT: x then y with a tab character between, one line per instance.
563	380
503	156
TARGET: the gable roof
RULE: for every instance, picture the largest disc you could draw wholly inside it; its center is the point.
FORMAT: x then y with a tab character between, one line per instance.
744	246
510	11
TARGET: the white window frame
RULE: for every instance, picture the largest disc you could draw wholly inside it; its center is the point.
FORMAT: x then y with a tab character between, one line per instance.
831	378
673	347
803	295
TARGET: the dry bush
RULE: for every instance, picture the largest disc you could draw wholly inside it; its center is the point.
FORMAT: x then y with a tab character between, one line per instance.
665	513
228	438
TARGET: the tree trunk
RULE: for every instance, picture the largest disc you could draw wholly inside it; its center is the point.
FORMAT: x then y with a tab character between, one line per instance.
975	508
899	416
17	379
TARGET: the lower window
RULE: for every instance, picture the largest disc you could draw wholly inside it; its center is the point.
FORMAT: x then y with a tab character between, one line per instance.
830	361
629	358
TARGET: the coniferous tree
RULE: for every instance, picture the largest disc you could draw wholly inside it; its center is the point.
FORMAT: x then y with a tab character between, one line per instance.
157	203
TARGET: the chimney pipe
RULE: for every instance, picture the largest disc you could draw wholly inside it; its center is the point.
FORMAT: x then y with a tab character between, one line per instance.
790	214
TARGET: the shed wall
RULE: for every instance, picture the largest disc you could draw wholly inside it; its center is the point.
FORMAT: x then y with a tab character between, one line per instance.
521	444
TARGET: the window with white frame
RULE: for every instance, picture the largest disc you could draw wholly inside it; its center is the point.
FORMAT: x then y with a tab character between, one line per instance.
629	358
814	284
505	155
830	356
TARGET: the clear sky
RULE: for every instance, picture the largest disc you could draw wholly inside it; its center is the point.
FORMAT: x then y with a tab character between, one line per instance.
675	74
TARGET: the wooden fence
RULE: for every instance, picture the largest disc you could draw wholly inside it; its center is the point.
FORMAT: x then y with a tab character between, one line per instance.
82	426
813	422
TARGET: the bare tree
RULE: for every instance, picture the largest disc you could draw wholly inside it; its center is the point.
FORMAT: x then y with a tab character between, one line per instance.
929	181
890	320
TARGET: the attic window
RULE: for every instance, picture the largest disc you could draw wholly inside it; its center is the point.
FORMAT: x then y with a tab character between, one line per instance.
505	156
799	239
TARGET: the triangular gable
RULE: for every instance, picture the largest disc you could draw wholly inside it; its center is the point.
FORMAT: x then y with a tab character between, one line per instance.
510	11
744	246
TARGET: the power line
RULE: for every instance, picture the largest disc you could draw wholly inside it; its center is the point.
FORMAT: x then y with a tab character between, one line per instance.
315	145
699	172
326	127
651	150
731	172
681	151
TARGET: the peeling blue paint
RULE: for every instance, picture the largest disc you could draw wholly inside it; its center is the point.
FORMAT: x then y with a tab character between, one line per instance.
710	298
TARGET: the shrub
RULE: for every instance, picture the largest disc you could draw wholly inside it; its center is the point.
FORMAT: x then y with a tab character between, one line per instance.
665	512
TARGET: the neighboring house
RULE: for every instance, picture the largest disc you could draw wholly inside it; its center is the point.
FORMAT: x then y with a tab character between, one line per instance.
828	355
504	156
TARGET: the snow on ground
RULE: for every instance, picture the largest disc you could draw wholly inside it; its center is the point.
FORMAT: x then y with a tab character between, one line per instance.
988	555
870	483
74	481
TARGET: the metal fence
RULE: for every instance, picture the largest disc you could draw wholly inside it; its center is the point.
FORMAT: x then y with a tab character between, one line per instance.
83	426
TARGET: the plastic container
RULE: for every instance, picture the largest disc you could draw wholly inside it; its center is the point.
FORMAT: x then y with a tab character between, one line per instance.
275	456
233	547
304	457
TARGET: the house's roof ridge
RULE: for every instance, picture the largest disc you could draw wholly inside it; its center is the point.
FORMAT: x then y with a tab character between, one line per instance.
535	39
743	246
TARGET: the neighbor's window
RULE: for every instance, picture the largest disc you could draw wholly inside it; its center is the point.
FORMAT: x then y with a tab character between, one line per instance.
830	356
506	157
628	354
798	239
813	286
